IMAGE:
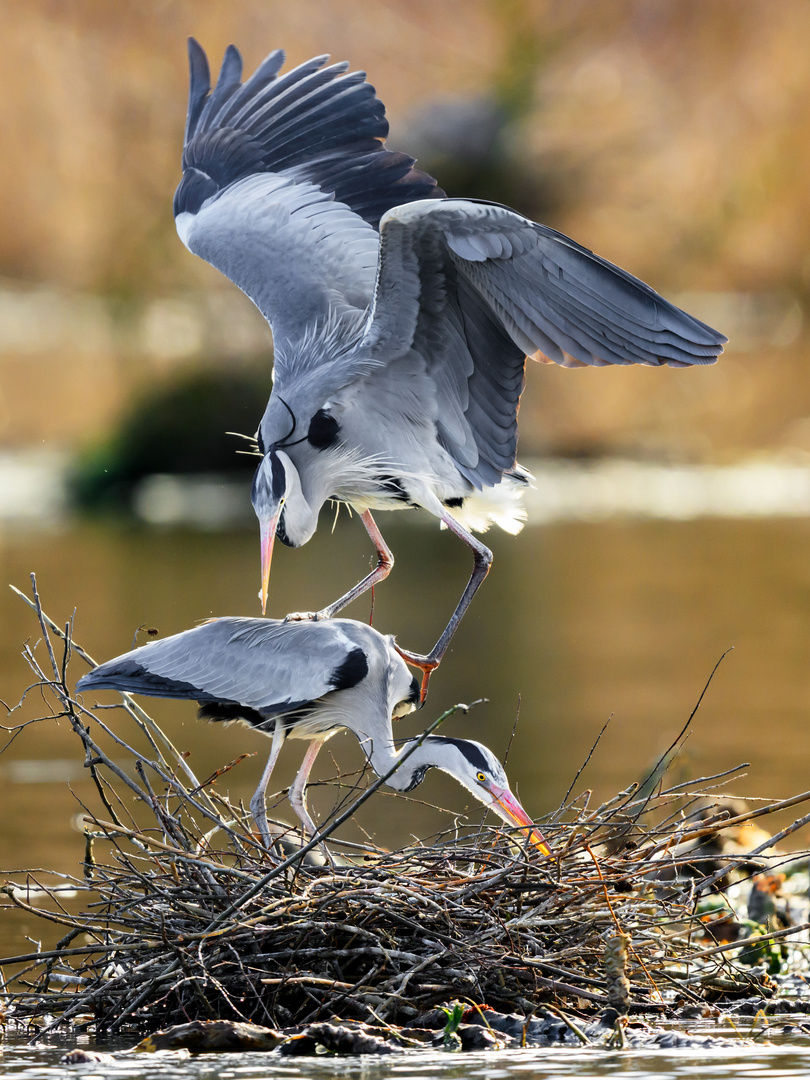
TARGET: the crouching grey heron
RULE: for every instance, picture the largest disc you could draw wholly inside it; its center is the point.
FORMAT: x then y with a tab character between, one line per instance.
307	680
401	320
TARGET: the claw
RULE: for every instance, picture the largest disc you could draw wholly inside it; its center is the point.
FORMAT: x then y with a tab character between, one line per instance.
307	616
426	664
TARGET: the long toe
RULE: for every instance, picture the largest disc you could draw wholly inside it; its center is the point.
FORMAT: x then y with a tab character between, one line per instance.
426	664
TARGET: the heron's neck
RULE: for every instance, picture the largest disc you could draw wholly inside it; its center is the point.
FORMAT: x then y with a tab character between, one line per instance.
298	519
382	756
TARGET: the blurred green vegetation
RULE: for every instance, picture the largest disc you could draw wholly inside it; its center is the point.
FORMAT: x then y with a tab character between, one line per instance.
189	425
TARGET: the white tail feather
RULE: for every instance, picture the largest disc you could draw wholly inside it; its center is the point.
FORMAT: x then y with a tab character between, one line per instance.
500	505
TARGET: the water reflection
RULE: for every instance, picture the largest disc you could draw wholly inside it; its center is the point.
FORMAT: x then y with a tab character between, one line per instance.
576	623
755	1062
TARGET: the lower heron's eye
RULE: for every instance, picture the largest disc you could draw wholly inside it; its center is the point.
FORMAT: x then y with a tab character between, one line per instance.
481	777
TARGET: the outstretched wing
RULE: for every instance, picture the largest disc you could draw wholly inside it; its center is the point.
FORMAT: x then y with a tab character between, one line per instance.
264	665
285	178
474	287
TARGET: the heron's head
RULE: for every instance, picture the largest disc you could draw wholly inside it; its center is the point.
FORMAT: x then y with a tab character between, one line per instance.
477	768
409	702
272	485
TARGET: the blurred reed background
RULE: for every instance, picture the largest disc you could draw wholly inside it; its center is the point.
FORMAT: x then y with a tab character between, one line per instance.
671	136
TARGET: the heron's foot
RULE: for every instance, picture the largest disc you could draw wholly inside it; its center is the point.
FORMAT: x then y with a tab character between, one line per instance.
298	801
266	847
426	664
310	616
328	856
303	616
267	854
266	839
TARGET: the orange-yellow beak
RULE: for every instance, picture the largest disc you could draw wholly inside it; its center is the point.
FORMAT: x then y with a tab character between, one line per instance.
268	536
506	806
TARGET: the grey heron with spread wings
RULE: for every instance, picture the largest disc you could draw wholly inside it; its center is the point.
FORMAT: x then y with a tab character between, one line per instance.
401	319
308	680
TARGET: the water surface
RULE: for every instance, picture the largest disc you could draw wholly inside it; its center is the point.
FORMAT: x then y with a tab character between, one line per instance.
763	1062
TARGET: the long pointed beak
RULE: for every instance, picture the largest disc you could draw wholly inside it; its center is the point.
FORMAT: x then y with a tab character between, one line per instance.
268	536
506	805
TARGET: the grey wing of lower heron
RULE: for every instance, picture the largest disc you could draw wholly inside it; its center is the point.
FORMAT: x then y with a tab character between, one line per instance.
475	287
266	665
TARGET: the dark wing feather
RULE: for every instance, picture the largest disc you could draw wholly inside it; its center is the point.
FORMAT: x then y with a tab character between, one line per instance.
322	124
199	87
285	178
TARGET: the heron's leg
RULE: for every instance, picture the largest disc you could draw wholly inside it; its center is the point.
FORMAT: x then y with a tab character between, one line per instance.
298	795
482	560
385	561
257	805
298	789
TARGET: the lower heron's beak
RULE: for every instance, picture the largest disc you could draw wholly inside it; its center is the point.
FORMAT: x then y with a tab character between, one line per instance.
506	806
268	536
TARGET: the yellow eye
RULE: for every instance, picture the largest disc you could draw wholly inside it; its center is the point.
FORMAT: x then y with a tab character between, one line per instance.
481	777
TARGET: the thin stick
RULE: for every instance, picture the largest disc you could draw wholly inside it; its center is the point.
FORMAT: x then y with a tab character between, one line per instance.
131	706
757	939
584	764
721	822
683	730
512	736
706	883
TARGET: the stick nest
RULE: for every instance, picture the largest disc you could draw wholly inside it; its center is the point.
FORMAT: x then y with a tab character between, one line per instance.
180	915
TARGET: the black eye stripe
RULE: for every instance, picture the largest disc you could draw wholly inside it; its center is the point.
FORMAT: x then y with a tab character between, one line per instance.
279	477
470	752
479	761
